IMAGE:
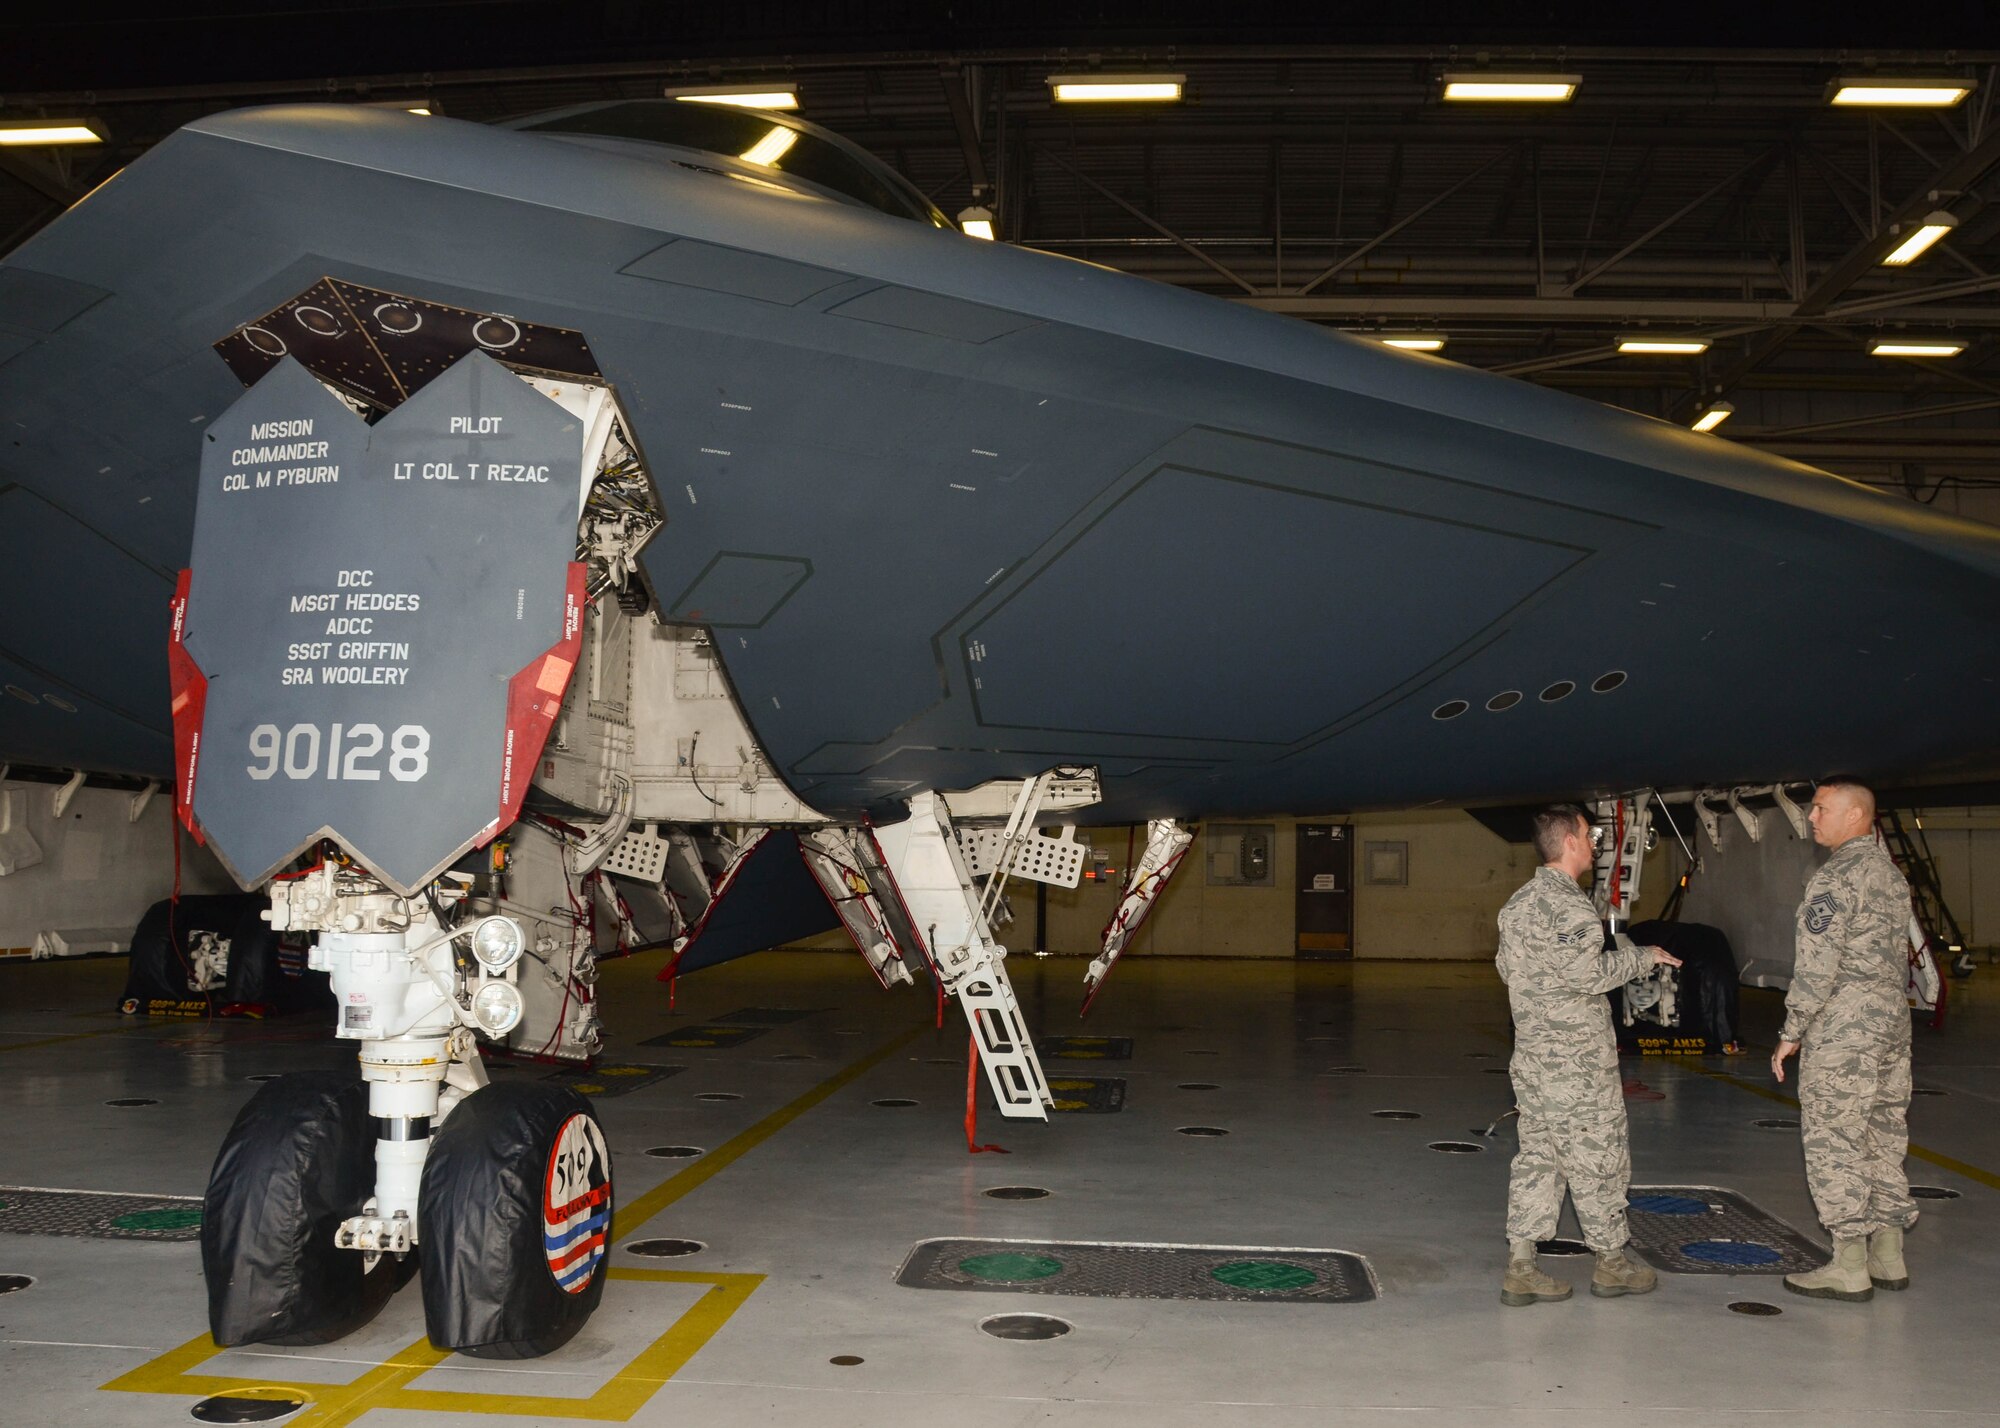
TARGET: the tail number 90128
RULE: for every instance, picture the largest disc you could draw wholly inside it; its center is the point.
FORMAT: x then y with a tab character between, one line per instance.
352	751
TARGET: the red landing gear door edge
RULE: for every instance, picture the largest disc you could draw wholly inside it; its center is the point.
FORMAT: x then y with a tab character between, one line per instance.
534	698
190	701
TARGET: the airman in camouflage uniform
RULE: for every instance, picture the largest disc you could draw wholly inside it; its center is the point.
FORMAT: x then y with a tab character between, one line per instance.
1848	1014
1565	1067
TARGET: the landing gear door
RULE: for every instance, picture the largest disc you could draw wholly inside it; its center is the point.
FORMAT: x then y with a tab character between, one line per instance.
379	623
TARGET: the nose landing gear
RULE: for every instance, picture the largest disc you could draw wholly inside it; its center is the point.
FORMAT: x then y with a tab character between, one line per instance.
332	1190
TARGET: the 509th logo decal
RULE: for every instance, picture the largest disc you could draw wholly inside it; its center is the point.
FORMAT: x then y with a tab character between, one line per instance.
576	1205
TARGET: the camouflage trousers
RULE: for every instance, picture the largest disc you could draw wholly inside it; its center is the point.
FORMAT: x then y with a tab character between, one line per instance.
1573	1136
1854	1100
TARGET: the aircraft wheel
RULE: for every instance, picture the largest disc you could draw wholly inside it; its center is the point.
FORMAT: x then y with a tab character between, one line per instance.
515	1215
299	1160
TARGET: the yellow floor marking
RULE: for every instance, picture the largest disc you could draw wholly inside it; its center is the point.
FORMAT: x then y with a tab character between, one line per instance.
1921	1152
636	1212
387	1384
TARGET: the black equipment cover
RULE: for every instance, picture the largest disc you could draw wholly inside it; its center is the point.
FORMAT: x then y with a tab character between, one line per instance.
502	1170
262	978
1708	1003
298	1161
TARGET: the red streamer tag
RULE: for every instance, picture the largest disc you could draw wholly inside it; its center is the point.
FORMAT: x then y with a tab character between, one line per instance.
972	1145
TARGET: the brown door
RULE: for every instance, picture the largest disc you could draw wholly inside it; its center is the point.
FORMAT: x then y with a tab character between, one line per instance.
1324	926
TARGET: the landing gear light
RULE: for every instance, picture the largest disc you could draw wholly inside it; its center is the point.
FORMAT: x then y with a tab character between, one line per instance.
497	942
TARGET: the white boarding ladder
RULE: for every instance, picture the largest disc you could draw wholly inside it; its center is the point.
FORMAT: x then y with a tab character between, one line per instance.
946	910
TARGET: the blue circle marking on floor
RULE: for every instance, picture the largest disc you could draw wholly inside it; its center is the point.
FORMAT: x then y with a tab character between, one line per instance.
1668	1205
1742	1253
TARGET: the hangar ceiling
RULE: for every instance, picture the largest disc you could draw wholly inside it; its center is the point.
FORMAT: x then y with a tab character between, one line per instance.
1706	193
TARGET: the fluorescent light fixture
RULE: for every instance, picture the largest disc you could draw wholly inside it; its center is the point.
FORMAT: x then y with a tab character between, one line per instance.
1114	88
423	109
743	96
21	133
1714	417
772	147
1899	348
1517	88
1902	93
977	222
1411	341
1934	227
1669	346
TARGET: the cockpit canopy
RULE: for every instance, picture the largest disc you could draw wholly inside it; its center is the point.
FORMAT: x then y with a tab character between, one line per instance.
748	143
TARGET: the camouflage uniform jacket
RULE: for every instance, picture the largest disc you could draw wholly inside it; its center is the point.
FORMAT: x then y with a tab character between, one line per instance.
1852	963
1553	961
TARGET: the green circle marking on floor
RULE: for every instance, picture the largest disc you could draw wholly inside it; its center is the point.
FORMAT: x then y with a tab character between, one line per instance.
158	1220
1010	1268
1263	1274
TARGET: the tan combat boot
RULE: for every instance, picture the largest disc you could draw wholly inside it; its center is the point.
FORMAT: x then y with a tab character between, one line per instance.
1845	1278
1886	1269
1618	1273
1526	1284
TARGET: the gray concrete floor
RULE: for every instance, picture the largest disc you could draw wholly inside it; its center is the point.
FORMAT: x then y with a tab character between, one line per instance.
826	1205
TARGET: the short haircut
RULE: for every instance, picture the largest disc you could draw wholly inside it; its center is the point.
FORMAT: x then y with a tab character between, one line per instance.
1553	825
1862	796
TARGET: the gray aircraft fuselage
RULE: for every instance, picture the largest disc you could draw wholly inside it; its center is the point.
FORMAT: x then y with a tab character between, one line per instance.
957	511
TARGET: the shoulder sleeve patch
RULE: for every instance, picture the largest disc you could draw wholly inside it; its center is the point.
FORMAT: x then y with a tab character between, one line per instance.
1819	913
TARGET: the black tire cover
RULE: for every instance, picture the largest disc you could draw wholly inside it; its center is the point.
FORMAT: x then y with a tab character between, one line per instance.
299	1159
516	1220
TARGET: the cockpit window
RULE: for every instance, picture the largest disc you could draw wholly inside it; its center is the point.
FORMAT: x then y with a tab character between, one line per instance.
753	137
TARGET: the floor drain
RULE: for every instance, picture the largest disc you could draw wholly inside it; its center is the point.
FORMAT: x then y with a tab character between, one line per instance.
1456	1147
1776	1123
1016	1192
263	1076
249	1407
1264	1276
665	1249
1010	1267
1025	1326
1562	1247
1395	1115
1738	1254
132	1101
1200	1086
1928	1091
846	1360
893	1102
675	1152
1667	1204
718	1096
1756	1307
159	1219
1933	1192
11	1282
1201	1130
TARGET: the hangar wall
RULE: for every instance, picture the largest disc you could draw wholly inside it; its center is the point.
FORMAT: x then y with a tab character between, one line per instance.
1459	876
89	874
